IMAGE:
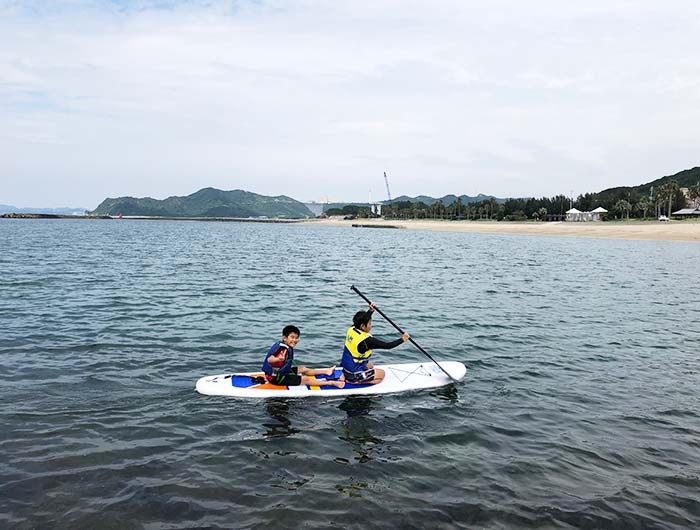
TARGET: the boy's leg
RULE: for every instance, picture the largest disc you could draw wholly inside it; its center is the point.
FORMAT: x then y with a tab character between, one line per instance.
322	382
363	378
303	370
378	376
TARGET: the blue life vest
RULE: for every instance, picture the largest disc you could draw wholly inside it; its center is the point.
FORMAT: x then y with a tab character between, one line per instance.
353	360
285	368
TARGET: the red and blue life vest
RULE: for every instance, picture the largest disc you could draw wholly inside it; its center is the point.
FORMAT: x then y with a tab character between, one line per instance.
278	368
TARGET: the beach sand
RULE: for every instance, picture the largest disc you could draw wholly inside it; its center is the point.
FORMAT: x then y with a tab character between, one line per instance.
650	230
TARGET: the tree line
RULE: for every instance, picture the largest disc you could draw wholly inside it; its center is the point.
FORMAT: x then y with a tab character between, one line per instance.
621	203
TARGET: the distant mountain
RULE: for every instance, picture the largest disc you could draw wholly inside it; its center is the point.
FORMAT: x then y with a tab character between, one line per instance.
332	205
419	198
207	202
6	208
447	199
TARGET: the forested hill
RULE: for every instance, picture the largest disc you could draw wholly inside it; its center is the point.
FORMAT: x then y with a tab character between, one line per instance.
685	179
207	202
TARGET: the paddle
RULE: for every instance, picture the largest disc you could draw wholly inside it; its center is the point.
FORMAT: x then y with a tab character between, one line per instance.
401	331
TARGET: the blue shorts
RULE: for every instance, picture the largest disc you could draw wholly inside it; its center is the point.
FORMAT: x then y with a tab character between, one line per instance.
359	378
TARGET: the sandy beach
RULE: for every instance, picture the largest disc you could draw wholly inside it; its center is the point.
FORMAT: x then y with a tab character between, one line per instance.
649	230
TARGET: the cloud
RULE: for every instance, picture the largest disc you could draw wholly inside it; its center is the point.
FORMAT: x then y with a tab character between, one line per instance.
315	98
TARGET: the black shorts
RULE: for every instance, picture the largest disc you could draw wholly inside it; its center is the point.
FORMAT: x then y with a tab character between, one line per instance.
288	379
358	378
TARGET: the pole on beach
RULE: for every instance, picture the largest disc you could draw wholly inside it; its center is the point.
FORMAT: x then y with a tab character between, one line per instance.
402	331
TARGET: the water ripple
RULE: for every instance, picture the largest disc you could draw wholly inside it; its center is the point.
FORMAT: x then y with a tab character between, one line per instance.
579	410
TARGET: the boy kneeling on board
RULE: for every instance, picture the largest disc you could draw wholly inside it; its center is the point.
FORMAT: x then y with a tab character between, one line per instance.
357	367
278	364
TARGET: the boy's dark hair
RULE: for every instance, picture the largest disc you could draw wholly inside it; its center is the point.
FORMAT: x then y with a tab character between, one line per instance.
361	317
290	329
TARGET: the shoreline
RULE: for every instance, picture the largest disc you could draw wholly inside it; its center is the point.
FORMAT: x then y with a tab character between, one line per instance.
641	230
644	230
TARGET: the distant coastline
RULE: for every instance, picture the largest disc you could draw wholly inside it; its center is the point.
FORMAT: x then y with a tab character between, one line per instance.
645	230
688	230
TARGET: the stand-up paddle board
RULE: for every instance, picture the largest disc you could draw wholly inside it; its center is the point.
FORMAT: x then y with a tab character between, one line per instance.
398	378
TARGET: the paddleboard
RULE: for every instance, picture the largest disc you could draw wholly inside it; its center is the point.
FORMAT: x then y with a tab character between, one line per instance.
398	378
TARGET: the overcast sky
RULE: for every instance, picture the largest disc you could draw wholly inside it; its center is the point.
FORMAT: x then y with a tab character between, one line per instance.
316	99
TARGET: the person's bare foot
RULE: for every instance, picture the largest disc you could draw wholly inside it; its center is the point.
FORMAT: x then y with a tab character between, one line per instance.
339	384
331	370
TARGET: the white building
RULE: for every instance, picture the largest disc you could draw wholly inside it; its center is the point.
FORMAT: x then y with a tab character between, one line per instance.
597	214
574	215
577	215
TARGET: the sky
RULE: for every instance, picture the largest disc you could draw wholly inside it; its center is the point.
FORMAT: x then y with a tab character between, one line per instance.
316	99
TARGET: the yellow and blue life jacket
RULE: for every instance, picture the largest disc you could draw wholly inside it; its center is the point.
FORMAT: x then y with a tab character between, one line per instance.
353	360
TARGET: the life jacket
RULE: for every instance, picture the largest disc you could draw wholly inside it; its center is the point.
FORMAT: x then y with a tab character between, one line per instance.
353	360
278	369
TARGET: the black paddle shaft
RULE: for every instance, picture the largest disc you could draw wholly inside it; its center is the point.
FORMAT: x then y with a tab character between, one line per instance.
401	331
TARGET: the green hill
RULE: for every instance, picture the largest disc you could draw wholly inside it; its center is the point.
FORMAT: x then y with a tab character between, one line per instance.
608	198
207	202
685	179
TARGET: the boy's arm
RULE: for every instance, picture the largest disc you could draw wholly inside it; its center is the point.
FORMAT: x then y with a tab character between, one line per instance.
279	357
373	343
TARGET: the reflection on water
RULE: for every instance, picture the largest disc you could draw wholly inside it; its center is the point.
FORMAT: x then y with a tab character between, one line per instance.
356	429
351	490
448	393
356	406
281	427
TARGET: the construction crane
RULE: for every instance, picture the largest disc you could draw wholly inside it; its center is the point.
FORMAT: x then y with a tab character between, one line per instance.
386	181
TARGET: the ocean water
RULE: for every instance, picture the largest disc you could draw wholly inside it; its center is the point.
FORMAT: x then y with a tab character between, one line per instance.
580	408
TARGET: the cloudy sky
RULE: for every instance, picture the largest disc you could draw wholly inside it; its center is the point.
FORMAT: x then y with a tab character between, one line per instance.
315	99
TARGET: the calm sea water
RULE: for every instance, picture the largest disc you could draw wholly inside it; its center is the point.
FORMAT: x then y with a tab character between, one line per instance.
580	408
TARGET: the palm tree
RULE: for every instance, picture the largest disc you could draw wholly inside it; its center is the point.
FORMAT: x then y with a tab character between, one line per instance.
623	207
644	204
694	194
669	191
458	206
493	206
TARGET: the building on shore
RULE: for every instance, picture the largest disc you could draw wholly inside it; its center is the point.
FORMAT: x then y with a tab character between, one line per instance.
687	212
574	215
578	216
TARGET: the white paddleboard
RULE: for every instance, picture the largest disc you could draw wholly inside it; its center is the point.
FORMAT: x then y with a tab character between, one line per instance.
398	378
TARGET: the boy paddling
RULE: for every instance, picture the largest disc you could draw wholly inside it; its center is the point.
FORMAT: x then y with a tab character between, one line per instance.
359	344
278	364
